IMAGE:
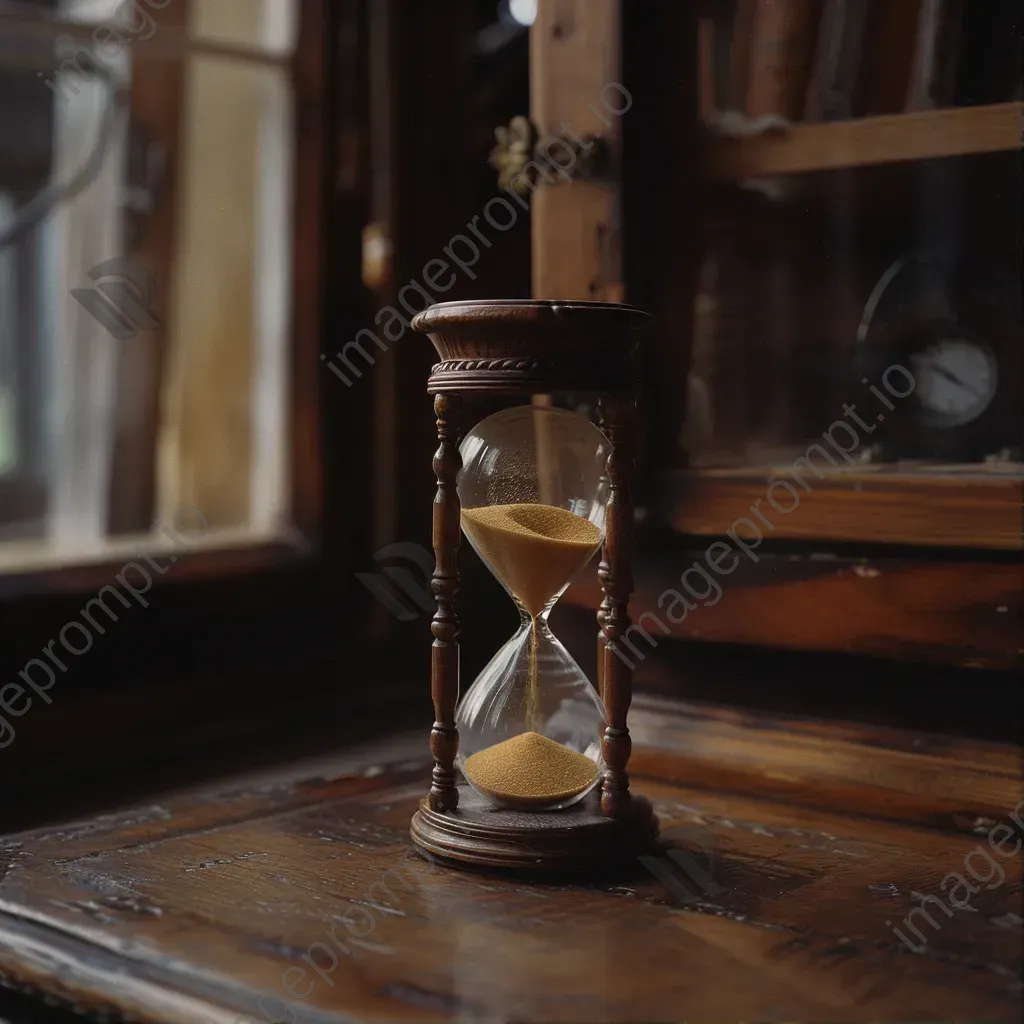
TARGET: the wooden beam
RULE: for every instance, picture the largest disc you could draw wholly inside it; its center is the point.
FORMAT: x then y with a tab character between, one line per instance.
961	613
894	138
574	56
948	509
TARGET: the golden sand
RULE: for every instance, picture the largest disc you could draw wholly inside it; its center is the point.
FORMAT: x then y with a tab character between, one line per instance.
530	769
534	549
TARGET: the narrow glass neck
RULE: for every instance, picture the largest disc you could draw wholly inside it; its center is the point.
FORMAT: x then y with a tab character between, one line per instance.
527	620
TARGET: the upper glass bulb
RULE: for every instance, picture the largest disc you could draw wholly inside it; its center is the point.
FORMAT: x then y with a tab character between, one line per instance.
533	493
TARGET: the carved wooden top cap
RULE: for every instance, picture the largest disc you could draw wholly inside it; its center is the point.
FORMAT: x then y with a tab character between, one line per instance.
528	345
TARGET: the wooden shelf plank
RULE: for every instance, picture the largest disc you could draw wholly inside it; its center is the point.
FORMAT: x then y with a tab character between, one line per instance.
941	613
871	140
949	510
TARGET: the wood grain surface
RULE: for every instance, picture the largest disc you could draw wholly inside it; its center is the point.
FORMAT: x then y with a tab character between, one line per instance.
574	58
787	869
944	612
877	506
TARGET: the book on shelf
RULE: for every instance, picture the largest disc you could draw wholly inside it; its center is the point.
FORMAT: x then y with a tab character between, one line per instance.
739	54
827	60
889	45
707	102
936	55
830	94
717	43
990	46
781	50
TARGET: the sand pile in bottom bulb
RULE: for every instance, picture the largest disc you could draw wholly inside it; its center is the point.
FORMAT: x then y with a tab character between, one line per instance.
530	769
533	549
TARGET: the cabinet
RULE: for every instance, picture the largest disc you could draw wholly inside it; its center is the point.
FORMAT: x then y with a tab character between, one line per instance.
823	211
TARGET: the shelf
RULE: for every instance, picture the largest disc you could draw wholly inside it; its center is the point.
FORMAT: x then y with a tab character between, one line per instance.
930	505
964	613
894	138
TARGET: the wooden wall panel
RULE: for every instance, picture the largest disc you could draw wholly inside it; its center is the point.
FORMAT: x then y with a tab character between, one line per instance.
157	102
574	55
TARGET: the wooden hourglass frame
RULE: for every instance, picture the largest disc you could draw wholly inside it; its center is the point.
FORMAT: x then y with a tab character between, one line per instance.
521	348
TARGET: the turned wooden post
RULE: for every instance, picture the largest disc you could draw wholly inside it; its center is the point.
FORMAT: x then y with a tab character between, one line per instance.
602	617
444	655
602	575
617	584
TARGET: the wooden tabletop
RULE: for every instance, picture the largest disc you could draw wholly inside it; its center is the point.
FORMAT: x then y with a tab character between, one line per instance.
797	849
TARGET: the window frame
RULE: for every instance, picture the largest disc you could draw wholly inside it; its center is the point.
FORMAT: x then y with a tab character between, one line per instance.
238	640
307	68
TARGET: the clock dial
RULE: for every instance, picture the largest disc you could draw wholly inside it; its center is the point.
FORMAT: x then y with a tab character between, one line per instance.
955	380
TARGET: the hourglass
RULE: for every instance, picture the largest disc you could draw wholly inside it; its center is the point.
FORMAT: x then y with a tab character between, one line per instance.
537	491
533	495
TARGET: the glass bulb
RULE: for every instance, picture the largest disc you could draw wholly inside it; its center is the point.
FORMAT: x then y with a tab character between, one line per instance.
533	493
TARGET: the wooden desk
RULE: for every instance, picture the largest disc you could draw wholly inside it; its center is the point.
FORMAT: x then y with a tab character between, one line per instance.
798	843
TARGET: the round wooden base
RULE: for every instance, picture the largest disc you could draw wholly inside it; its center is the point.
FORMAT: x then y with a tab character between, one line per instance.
579	839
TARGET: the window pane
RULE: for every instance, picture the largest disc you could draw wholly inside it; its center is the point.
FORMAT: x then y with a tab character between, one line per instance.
859	226
145	254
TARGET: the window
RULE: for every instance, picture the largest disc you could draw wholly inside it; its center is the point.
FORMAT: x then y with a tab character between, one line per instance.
145	277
